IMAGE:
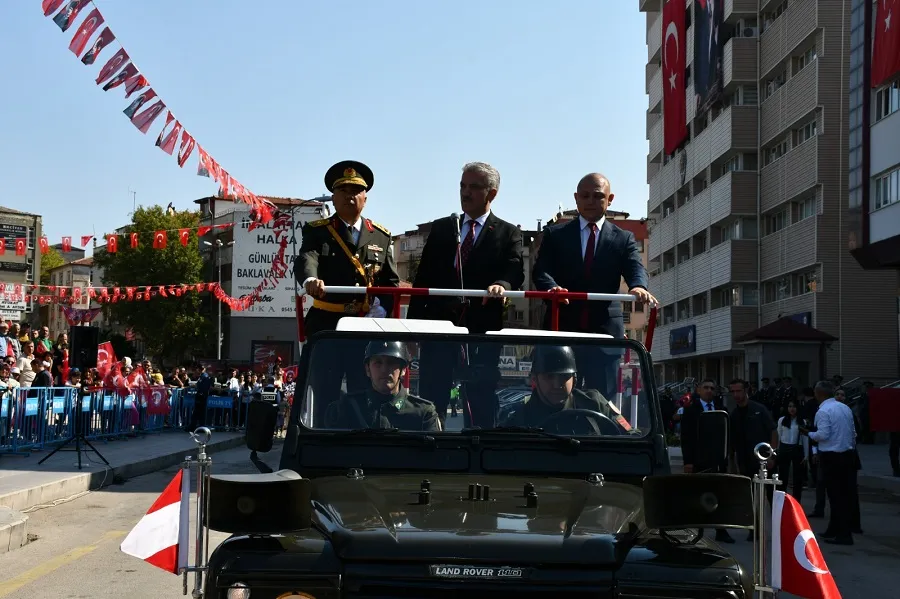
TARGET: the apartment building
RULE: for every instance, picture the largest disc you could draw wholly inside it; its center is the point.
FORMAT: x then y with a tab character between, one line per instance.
874	186
16	269
749	218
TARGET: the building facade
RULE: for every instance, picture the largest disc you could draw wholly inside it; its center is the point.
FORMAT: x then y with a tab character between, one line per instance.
749	218
77	273
16	269
239	259
874	183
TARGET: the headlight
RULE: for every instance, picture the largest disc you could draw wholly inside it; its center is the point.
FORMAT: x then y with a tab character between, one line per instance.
238	590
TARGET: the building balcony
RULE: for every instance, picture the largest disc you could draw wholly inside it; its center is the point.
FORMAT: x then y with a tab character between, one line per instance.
713	332
655	91
648	5
798	22
789	103
654	39
734	129
733	260
734	9
789	249
798	304
656	141
652	119
789	176
739	61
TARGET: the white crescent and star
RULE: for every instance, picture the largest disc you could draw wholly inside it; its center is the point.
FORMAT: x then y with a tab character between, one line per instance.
887	19
671	31
800	544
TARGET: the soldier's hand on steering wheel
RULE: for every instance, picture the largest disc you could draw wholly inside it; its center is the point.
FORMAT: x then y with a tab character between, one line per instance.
316	288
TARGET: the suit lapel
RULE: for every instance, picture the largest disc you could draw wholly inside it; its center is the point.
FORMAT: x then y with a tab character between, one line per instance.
574	239
606	233
486	230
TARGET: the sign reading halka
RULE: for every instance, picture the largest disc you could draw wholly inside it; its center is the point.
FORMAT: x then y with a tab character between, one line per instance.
477	572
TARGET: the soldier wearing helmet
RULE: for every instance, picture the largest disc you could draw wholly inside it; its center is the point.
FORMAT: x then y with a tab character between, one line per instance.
553	372
386	403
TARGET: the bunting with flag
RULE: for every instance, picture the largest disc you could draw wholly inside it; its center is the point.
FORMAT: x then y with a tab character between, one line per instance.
120	70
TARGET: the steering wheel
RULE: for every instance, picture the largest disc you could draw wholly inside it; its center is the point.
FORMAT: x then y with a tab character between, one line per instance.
600	423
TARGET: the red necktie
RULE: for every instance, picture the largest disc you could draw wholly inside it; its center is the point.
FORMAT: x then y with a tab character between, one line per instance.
588	261
466	248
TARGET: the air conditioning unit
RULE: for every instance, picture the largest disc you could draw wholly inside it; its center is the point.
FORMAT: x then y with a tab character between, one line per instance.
750	32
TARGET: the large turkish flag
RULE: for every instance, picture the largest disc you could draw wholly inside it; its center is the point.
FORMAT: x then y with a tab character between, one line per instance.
886	48
673	68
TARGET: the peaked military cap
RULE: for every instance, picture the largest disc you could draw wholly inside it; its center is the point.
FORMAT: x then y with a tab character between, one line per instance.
349	172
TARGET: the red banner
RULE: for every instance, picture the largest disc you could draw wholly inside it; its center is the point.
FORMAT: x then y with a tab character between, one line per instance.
675	129
84	33
886	48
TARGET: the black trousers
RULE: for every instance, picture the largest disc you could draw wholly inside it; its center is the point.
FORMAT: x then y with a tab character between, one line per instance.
839	472
790	468
331	362
480	374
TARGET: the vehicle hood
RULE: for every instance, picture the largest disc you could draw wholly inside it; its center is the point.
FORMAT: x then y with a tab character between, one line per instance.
380	518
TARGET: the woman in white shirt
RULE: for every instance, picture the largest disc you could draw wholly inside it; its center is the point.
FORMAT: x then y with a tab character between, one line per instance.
792	449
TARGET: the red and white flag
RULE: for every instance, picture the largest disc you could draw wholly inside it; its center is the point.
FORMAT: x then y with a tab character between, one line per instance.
159	240
67	243
104	39
675	129
161	536
85	31
886	47
797	563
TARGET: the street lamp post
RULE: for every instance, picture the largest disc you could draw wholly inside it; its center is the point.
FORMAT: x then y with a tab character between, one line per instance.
219	336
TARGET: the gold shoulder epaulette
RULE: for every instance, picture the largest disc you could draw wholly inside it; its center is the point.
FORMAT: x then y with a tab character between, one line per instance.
319	223
380	228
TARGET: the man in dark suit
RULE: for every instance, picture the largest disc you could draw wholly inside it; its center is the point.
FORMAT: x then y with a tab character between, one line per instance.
345	250
705	400
591	254
476	251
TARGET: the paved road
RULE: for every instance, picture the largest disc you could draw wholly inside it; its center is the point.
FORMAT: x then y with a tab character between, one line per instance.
76	553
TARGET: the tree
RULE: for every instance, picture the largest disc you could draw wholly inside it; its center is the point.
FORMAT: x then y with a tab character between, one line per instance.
49	261
170	327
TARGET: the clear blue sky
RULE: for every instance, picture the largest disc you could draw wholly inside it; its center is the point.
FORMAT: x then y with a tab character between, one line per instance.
277	91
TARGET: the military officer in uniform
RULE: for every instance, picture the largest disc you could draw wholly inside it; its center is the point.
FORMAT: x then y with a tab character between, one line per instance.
344	250
386	403
553	372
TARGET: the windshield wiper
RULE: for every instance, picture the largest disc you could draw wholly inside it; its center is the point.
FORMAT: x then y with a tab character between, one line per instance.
535	430
369	431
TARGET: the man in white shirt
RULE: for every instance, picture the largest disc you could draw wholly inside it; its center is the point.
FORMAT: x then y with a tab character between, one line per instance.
836	437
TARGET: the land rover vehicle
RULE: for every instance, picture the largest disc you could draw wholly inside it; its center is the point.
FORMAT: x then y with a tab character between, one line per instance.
497	511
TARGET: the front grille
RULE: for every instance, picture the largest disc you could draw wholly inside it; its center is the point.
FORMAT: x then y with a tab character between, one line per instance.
445	590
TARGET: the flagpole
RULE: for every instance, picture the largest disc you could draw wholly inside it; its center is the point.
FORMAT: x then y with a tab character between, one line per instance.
202	436
763	452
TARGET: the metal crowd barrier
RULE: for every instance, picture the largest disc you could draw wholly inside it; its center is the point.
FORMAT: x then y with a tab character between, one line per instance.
34	419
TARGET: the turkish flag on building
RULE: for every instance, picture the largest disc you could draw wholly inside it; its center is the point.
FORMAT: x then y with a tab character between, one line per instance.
2	246
797	563
44	244
112	244
159	240
675	129
184	235
134	240
886	50
67	244
20	246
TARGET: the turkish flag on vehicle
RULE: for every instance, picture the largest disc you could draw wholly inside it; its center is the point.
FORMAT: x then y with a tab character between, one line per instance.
674	64
886	50
159	240
797	563
161	536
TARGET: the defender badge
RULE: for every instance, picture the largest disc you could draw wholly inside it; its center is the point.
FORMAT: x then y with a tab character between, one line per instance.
477	572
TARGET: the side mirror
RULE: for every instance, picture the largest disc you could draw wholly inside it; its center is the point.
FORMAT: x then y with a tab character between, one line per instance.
712	438
259	503
680	501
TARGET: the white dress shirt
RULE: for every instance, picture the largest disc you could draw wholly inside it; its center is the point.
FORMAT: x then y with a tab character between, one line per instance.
790	435
836	431
708	406
586	233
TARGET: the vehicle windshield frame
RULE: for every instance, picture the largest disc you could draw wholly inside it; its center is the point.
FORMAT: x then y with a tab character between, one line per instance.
646	372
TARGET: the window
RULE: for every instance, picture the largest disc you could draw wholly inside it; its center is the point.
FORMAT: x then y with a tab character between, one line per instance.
805	282
744	95
804	209
804	59
668	314
732	165
887	100
887	188
774	82
804	133
776	222
770	16
731	231
775	152
684	309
